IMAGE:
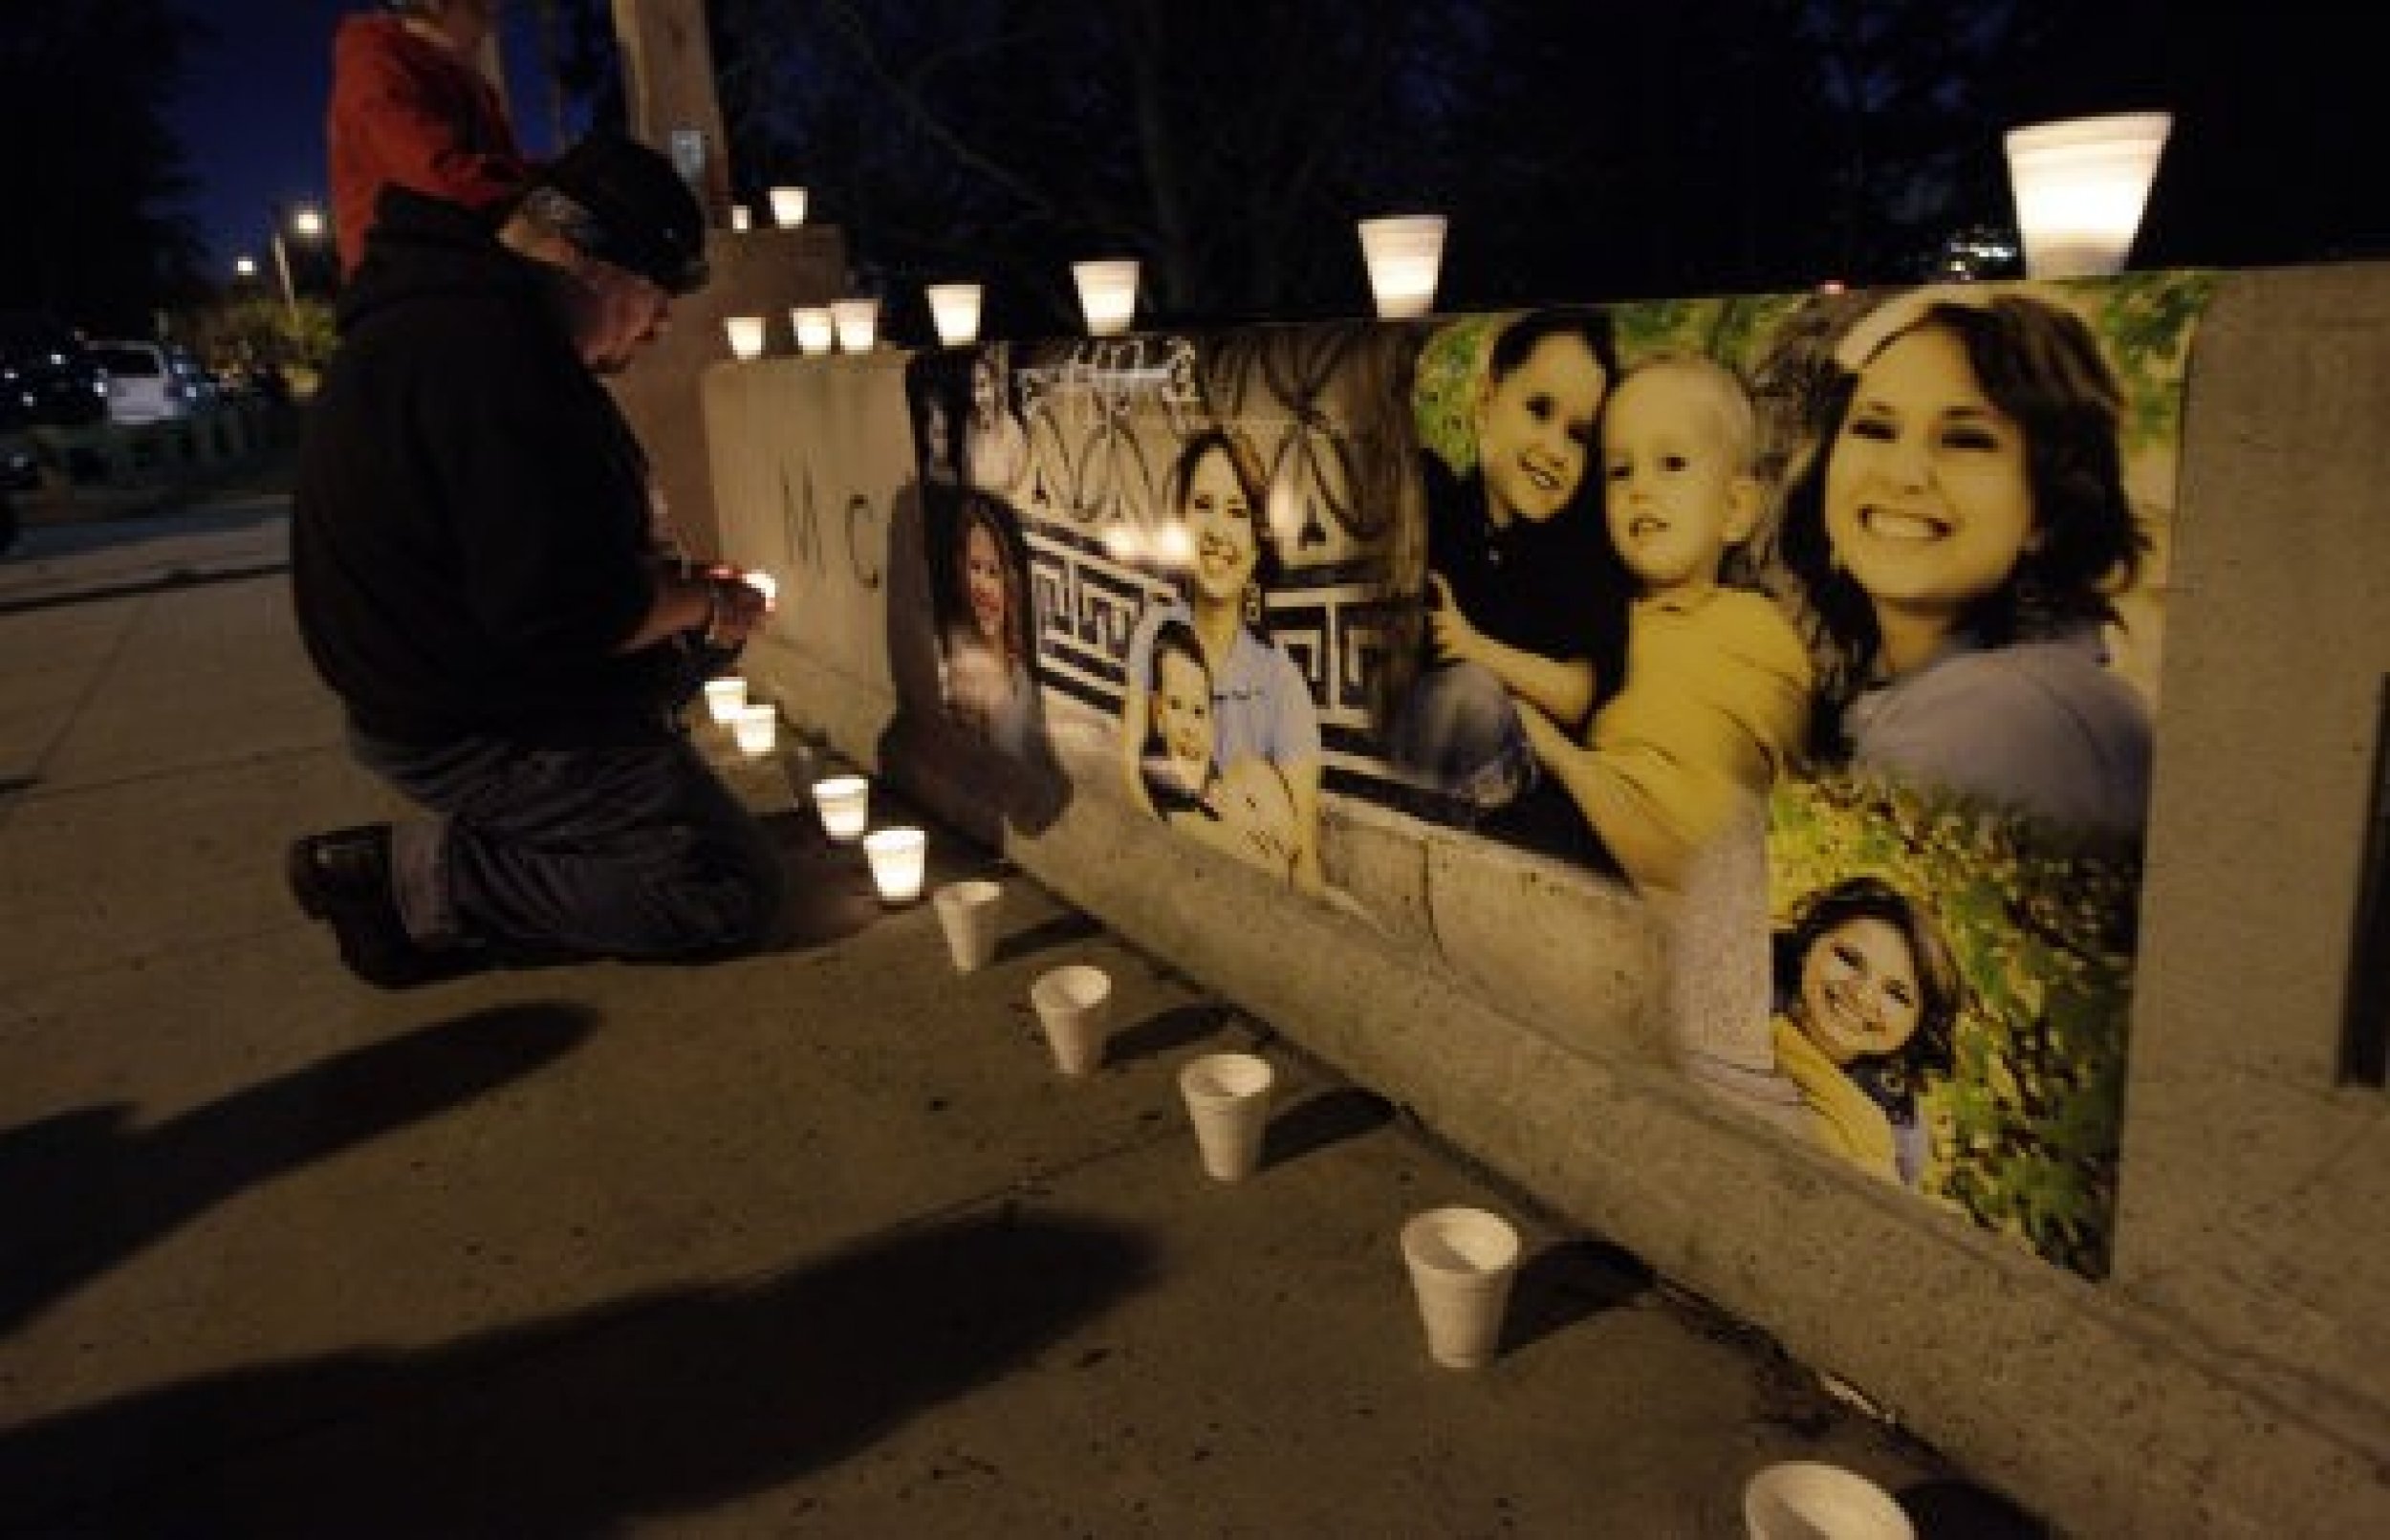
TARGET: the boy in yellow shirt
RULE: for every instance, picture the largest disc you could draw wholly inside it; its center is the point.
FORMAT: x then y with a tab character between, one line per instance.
1716	696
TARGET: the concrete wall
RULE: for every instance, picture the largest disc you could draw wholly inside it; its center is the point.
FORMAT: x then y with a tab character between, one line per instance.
2230	1376
754	273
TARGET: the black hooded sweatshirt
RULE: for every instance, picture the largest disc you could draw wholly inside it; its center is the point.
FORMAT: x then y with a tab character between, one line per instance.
470	536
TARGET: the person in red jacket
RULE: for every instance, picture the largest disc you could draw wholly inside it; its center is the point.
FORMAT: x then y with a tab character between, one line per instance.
411	106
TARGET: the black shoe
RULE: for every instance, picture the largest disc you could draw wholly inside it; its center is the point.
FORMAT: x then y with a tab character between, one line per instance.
343	879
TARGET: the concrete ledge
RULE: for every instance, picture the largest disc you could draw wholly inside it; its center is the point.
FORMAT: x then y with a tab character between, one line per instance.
2229	1377
2018	1368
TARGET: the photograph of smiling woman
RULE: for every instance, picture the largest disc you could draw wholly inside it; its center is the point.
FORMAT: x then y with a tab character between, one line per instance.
1867	998
1262	710
1959	531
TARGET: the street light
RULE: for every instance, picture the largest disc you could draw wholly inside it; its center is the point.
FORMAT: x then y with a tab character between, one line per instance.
307	222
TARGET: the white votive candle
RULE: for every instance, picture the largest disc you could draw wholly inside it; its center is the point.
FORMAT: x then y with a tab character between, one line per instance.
857	322
758	728
1107	293
844	803
954	308
1403	253
725	699
817	332
899	857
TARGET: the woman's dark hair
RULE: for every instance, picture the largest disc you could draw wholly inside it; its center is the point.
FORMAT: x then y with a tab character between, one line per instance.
2042	366
978	511
1516	342
1892	1079
1254	482
1608	587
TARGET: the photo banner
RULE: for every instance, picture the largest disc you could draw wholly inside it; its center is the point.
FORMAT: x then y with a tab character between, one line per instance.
1829	623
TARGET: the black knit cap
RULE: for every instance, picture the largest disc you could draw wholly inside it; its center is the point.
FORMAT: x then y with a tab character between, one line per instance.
638	215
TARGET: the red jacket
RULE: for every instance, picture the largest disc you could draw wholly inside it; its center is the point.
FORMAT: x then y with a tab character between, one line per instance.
407	110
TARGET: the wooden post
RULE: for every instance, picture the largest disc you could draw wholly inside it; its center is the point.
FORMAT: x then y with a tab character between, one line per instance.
668	83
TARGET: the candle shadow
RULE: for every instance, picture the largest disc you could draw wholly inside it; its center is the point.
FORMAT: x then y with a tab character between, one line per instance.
1568	1282
1324	1119
1949	1508
1062	930
83	1190
1165	1030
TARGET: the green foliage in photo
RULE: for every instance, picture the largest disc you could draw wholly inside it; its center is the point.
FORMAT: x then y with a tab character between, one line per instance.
1730	329
2025	1129
1444	386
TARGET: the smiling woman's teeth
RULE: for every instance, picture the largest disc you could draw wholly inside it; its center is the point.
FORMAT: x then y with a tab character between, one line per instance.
1891	524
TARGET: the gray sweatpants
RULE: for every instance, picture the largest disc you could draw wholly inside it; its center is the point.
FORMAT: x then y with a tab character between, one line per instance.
625	851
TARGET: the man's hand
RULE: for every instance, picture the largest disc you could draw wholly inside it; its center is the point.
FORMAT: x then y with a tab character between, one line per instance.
723	605
734	607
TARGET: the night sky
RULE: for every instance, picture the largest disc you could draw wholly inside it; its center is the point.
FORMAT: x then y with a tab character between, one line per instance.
251	114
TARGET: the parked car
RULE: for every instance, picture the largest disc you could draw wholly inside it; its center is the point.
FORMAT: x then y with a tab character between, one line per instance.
48	378
151	381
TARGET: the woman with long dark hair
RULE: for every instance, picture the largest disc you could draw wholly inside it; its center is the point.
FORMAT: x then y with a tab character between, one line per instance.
990	684
1867	998
1958	531
1262	715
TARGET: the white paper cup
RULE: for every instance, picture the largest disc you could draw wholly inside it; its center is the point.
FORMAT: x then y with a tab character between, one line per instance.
817	330
1462	1261
844	803
757	729
966	912
1403	253
1810	1500
1074	1004
1107	295
855	322
899	859
725	697
747	336
1228	1101
954	309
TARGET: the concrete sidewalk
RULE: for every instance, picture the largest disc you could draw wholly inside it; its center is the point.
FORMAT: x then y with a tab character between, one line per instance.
813	1243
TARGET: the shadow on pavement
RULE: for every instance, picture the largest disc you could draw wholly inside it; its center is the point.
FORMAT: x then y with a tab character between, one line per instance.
1067	929
1568	1282
664	1405
1948	1509
1165	1032
82	1191
830	896
1317	1121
